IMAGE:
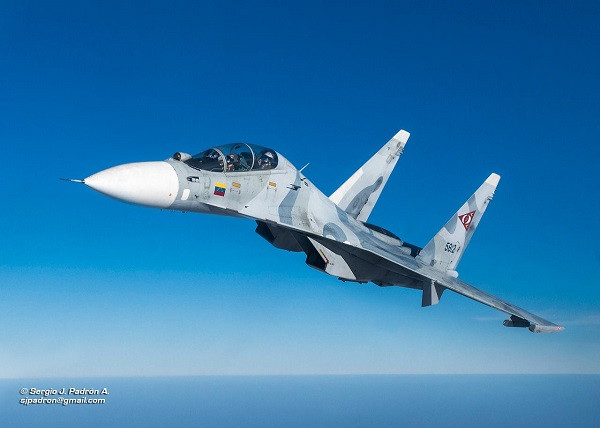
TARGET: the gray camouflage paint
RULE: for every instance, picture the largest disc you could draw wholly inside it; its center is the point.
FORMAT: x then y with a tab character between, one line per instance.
285	198
360	200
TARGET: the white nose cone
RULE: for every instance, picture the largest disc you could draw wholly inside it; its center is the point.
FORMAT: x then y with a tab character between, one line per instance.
154	184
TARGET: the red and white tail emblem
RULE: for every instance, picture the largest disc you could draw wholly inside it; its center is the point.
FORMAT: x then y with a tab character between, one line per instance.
465	219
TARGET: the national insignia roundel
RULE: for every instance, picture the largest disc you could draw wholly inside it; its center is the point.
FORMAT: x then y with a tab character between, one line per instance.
466	219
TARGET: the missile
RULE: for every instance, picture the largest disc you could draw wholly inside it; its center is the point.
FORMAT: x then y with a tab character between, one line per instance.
515	321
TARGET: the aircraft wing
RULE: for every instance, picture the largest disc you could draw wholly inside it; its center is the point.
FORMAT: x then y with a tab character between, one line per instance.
402	269
519	317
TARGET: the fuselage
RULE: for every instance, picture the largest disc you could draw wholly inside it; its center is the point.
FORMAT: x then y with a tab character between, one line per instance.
278	194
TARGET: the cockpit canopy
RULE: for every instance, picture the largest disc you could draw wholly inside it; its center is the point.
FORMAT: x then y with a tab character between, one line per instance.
236	157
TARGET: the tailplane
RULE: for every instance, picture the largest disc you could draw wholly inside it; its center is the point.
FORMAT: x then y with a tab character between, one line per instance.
358	195
446	248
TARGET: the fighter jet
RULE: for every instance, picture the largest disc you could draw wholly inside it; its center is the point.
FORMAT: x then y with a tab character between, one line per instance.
258	183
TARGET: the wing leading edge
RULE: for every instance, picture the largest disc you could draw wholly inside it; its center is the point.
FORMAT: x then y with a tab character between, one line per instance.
519	317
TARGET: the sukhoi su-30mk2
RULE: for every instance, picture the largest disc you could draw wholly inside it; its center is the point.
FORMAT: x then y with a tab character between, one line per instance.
254	182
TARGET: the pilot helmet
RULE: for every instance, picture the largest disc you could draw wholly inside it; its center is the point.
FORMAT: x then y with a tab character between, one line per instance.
266	158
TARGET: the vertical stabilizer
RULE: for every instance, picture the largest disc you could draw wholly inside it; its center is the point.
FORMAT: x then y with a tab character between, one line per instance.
446	248
358	195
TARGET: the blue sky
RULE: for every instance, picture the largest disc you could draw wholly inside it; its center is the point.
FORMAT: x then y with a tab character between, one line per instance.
93	287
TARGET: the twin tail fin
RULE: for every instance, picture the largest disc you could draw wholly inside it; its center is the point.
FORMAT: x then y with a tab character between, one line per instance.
446	248
358	195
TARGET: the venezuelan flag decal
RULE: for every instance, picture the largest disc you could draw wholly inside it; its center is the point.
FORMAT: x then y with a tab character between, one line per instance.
220	189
